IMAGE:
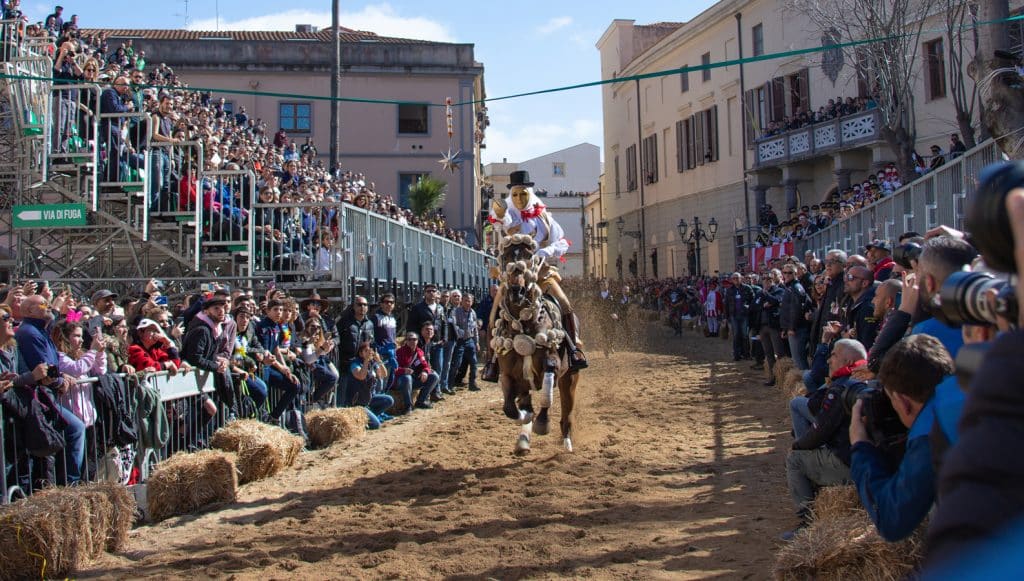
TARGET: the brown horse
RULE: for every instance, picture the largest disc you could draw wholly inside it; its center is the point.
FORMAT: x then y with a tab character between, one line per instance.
528	338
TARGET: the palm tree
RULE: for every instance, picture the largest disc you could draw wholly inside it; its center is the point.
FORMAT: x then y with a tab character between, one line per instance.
426	195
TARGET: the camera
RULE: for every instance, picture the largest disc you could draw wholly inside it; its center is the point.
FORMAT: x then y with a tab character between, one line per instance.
885	430
904	253
986	218
52	372
963	299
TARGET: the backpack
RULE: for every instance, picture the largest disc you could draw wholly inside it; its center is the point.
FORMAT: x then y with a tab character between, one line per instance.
43	425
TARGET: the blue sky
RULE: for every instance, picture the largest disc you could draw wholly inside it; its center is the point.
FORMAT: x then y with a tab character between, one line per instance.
524	46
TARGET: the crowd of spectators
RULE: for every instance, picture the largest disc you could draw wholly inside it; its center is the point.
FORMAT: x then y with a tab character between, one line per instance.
882	406
271	357
289	172
836	108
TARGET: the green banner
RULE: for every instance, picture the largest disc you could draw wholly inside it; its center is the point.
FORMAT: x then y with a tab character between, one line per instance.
49	216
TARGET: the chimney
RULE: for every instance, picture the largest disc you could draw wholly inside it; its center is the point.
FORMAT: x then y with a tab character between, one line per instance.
504	160
305	28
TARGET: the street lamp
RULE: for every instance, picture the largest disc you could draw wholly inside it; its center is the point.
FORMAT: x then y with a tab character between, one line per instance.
697	234
621	225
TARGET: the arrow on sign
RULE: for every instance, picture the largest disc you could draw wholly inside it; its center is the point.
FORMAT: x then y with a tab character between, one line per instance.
30	215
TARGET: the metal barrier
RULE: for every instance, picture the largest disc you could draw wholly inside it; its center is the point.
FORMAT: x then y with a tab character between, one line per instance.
182	395
932	200
73	138
30	97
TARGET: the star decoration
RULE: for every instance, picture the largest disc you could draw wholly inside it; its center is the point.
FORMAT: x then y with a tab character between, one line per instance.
450	161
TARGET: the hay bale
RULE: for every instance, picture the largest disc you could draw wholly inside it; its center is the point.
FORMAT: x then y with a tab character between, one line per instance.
263	450
836	501
124	511
184	483
399	406
847	547
782	367
793	383
331	426
60	530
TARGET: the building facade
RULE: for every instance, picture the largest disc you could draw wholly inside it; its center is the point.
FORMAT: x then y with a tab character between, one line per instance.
685	145
284	78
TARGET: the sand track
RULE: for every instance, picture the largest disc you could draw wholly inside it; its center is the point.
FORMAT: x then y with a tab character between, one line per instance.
678	473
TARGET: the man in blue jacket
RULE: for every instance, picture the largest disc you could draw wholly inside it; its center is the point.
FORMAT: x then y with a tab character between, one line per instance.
897	502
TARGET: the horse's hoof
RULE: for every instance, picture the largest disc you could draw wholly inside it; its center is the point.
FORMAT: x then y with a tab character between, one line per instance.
567	442
511	412
541	427
525	417
523	444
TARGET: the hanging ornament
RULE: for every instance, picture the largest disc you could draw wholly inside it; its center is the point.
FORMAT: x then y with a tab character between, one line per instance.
450	161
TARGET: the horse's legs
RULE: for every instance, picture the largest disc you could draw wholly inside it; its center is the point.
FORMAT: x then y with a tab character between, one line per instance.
567	392
510	408
541	424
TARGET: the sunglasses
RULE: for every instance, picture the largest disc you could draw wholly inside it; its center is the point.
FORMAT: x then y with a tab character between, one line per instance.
362	305
5	317
854	277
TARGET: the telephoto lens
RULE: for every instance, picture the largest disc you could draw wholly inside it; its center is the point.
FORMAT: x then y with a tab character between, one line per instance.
963	300
986	218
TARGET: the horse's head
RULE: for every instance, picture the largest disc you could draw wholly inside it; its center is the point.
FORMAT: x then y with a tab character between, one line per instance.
515	248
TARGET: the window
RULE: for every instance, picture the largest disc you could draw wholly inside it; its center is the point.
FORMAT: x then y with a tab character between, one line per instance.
649	162
296	117
705	60
709	139
558	169
683	154
406	181
757	39
777	95
935	60
631	172
229	107
799	99
413	118
684	80
697	139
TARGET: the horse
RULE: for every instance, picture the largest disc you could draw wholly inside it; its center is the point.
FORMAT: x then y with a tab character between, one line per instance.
527	337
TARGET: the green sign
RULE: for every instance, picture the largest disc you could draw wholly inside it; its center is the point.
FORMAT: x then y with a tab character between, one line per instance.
49	215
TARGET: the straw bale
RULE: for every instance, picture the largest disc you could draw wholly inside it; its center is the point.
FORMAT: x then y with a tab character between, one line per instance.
782	367
184	483
263	450
836	501
124	510
331	426
847	547
793	383
58	531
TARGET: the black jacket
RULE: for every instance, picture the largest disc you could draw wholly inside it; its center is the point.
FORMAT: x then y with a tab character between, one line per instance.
831	427
891	333
350	334
860	316
771	307
198	347
791	311
746	295
421	314
980	491
831	309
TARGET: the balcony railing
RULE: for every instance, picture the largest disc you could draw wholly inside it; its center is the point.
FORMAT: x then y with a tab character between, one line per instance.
818	139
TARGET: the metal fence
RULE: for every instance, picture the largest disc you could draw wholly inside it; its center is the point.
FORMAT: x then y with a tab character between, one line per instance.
935	199
188	427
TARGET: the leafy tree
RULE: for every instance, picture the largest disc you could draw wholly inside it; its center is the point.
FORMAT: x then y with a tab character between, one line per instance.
426	195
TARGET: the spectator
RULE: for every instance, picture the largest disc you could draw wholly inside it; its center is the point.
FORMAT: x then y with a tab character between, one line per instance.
738	298
467	336
880	259
354	328
200	348
248	356
820	456
429	311
368	375
793	309
276	372
79	363
887	297
956	147
938	158
414	373
860	322
898	502
385	328
769	323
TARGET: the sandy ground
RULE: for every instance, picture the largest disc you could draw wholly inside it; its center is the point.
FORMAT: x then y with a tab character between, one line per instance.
678	474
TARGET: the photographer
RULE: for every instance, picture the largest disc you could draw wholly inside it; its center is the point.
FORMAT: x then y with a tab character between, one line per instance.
821	456
979	491
898	501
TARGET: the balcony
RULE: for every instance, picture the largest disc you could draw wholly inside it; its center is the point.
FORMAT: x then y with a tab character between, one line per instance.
818	139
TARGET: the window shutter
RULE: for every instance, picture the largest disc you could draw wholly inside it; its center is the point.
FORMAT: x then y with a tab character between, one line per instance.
749	118
713	132
699	131
680	147
805	90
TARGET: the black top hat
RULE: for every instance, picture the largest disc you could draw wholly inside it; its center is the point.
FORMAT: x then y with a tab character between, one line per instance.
519	178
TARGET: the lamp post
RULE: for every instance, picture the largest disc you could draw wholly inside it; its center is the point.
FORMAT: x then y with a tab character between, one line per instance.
697	234
593	240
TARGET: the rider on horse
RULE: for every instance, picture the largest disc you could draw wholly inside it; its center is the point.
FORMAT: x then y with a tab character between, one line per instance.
523	213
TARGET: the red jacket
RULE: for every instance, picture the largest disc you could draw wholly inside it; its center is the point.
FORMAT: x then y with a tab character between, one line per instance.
141	358
411	360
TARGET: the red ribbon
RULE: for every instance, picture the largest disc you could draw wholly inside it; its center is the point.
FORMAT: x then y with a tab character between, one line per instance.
533	212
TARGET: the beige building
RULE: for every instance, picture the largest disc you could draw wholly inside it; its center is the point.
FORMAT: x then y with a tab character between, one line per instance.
679	146
284	79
